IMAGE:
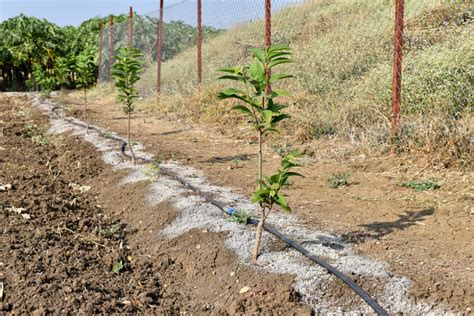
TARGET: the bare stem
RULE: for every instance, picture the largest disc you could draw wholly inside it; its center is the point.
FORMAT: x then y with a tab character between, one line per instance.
258	236
128	138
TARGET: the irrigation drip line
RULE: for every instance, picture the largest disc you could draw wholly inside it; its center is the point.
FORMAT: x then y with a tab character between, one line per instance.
231	211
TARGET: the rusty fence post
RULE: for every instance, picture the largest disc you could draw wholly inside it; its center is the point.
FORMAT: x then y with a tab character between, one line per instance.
111	48
397	69
268	37
101	46
199	42
159	48
131	27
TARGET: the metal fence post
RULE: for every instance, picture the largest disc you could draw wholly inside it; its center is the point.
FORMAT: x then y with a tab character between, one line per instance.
268	37
397	68
199	41
131	27
159	48
101	36
111	48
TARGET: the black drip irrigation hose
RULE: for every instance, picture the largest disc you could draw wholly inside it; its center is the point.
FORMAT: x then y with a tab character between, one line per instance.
231	211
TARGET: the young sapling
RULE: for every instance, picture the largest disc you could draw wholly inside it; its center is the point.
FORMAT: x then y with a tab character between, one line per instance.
126	72
61	72
85	70
260	105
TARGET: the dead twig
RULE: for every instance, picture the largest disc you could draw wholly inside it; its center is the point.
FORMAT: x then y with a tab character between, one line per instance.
85	238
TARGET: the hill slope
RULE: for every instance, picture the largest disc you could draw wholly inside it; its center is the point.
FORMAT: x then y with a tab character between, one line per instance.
343	50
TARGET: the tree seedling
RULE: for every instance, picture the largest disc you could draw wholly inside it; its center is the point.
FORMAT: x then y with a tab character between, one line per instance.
126	72
61	71
264	113
85	70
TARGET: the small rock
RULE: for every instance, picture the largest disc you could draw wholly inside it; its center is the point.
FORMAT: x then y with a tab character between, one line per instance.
26	216
198	247
17	210
245	289
232	274
5	187
80	188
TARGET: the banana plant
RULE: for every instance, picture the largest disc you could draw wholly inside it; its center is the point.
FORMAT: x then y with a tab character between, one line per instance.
126	72
257	101
85	71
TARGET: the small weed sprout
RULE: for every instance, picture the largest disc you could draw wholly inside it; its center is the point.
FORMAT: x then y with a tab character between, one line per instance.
85	70
118	267
151	171
126	72
241	217
338	180
421	186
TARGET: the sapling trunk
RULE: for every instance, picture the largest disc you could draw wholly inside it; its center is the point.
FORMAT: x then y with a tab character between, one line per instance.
259	230
258	234
260	155
128	138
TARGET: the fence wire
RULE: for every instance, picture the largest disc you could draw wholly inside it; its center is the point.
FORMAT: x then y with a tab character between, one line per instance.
343	52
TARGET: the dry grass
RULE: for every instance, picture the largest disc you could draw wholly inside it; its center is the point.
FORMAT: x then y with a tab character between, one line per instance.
343	50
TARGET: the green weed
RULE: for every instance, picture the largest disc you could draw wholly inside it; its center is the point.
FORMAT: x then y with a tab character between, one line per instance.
421	186
339	180
241	217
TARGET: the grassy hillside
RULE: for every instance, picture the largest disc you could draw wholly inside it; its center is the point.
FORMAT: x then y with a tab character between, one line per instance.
343	50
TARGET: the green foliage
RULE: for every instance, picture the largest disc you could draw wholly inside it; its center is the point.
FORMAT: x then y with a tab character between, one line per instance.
33	132
44	79
151	171
126	72
258	103
269	193
339	180
241	217
421	186
85	70
118	267
61	70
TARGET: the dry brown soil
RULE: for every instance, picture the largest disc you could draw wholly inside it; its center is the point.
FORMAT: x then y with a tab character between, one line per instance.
426	236
59	246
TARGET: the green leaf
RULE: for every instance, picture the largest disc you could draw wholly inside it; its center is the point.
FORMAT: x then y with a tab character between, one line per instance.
235	78
280	200
267	116
242	109
259	54
278	77
118	267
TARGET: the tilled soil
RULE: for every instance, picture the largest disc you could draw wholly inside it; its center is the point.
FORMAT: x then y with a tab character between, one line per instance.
74	240
59	248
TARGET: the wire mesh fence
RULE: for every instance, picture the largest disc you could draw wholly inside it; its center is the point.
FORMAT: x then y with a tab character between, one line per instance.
347	65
